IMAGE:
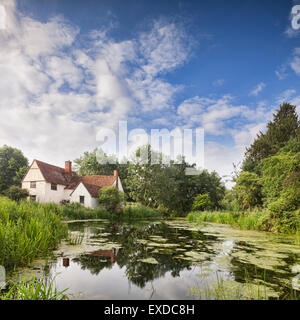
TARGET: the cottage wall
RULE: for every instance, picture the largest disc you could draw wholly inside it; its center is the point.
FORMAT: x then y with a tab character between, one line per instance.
43	190
89	201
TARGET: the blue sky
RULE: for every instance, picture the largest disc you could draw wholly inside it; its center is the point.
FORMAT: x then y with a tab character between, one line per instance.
69	68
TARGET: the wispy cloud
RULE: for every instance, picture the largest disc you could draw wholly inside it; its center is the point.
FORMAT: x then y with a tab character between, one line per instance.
257	89
59	91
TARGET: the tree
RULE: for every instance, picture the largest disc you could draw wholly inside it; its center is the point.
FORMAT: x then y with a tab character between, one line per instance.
285	126
98	162
281	182
248	190
111	198
95	163
16	193
13	166
202	202
167	186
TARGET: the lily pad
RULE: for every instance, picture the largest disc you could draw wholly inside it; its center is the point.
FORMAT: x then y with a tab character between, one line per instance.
149	260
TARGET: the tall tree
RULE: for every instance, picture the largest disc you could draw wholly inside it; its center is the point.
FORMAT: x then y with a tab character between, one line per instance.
284	127
13	166
168	186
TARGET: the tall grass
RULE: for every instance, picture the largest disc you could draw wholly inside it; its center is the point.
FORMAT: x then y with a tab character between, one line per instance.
261	220
34	290
138	211
27	230
76	211
256	220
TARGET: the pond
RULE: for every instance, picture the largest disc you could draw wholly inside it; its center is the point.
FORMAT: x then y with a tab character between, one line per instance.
172	260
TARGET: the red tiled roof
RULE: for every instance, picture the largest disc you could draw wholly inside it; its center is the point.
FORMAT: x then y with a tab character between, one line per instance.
94	183
54	174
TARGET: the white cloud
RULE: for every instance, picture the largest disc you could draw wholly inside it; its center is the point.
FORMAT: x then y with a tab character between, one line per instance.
211	114
257	89
55	94
295	63
285	96
281	72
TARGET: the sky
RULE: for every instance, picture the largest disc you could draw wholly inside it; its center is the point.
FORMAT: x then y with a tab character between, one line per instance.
69	68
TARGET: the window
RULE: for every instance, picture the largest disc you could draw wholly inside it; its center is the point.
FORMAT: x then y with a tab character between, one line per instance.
53	186
33	198
81	199
33	184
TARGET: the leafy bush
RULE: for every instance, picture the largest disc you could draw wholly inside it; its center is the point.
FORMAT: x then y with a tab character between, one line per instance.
16	193
111	198
202	202
248	190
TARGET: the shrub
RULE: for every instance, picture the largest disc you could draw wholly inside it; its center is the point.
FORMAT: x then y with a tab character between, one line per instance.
111	198
202	202
248	190
16	193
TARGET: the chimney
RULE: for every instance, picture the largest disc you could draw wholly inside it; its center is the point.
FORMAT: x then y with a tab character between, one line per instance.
68	166
116	175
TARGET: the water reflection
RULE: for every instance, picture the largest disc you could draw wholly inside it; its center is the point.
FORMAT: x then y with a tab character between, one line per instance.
166	260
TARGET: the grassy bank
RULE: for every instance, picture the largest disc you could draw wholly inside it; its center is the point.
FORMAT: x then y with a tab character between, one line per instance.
255	220
27	231
35	289
131	211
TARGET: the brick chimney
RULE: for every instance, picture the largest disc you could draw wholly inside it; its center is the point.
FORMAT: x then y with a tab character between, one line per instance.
116	175
68	166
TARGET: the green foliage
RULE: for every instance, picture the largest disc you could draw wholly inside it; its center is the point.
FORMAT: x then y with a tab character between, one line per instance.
13	166
255	220
281	182
16	193
248	190
99	163
76	211
167	186
95	163
34	289
292	146
230	201
27	230
111	198
202	202
284	127
138	211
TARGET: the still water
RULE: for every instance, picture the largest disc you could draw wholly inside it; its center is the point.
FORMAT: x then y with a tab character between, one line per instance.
174	260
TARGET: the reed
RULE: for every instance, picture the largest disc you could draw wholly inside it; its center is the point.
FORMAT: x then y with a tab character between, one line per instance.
27	230
138	211
261	220
74	238
34	290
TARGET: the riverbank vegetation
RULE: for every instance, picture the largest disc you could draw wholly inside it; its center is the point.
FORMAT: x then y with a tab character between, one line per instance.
28	230
35	289
266	195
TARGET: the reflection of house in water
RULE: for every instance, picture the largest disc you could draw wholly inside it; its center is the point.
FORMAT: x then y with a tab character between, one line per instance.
106	253
66	262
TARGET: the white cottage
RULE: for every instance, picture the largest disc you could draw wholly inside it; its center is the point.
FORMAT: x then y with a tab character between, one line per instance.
48	183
